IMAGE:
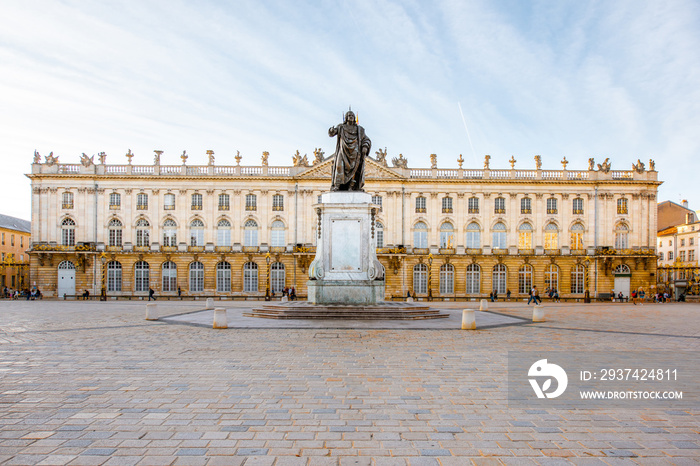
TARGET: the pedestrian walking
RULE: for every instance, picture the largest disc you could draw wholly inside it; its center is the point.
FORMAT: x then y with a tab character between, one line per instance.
151	294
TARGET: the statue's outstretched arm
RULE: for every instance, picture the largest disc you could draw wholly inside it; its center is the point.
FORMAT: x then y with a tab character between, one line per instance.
332	131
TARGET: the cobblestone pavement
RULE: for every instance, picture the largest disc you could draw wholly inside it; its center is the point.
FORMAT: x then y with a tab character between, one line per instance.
89	383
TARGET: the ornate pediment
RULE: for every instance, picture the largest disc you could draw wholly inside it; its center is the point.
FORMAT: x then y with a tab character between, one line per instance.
373	171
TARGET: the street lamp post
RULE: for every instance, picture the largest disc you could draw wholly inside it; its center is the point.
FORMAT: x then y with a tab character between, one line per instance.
586	281
103	292
430	277
267	278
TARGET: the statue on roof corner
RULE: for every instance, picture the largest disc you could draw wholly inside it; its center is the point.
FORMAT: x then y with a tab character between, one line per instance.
351	149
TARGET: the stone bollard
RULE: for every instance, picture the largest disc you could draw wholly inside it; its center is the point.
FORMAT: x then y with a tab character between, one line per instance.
151	311
220	320
210	303
484	305
409	300
285	299
468	319
538	314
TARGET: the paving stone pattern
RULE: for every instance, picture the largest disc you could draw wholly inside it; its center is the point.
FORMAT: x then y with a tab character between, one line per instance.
89	383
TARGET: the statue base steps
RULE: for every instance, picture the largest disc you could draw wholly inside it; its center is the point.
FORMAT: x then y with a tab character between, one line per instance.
383	311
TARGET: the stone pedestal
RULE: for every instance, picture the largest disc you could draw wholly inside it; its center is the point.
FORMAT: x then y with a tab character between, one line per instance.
346	269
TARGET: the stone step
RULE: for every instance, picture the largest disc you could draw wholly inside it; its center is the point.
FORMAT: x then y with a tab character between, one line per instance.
388	311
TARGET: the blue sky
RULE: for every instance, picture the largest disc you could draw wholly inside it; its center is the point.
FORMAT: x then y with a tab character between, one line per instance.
555	78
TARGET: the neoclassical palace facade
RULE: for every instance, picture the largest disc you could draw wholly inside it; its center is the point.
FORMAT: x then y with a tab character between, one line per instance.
233	230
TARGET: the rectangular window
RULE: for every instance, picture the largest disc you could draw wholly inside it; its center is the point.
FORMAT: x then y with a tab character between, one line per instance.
378	201
420	205
681	256
251	202
552	205
21	242
622	206
3	238
577	206
115	201
196	201
278	202
691	255
670	255
67	200
141	201
473	205
682	241
446	205
525	205
169	203
691	241
498	238
499	205
12	240
224	202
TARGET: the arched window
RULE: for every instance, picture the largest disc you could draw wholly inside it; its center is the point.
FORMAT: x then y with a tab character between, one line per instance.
473	279
223	277
420	279
169	274
277	239
277	277
621	236
622	269
551	277
379	234
420	236
498	236
143	233
66	265
576	236
551	236
525	236
196	276
250	277
578	276
223	233
169	233
197	233
68	232
447	279
499	276
114	276
525	279
447	235
473	236
115	232
141	276
250	234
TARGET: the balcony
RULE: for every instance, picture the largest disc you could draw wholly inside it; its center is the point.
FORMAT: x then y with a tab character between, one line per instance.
195	248
251	248
168	248
222	249
473	210
552	211
421	250
114	248
447	210
420	210
499	211
223	207
552	252
446	250
499	251
67	206
525	211
578	252
115	206
169	207
251	207
578	211
141	206
472	251
278	208
526	252
277	249
142	248
196	207
622	210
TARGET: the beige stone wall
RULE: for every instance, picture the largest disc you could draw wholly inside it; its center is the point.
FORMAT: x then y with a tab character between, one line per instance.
398	188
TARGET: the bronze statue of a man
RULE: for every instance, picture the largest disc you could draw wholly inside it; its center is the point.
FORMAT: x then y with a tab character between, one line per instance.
350	152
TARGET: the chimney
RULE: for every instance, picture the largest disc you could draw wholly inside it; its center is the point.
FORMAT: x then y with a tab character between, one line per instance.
685	203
